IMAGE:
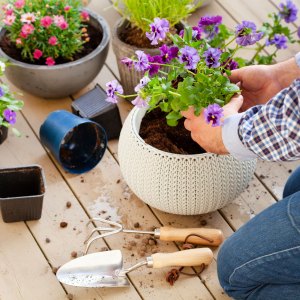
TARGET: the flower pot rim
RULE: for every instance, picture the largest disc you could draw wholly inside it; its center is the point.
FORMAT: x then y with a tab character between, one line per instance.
136	111
100	47
24	167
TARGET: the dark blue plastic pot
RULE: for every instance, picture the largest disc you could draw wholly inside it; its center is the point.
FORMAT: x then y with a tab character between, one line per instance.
78	144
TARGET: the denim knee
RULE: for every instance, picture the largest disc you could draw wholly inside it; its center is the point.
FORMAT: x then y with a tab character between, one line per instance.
293	184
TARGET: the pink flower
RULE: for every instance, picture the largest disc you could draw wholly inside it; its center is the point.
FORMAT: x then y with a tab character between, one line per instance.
67	8
19	41
85	15
46	21
28	18
37	54
9	12
23	35
50	61
19	4
27	29
63	25
58	19
52	41
9	20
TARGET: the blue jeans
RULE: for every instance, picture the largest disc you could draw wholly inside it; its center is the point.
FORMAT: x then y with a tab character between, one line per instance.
261	260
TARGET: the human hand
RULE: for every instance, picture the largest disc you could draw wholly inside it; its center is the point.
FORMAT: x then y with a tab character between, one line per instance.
208	137
258	84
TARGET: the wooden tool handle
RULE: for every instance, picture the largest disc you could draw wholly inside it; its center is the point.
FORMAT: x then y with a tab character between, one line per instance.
186	258
180	234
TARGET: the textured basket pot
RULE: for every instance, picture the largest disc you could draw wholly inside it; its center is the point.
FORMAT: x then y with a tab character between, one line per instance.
22	191
179	184
61	80
3	134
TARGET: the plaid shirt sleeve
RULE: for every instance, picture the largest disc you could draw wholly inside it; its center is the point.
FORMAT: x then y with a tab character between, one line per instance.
272	131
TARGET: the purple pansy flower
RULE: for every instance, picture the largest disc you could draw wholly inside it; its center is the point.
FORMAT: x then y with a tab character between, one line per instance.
10	116
246	34
143	82
231	64
112	88
140	102
153	69
168	53
158	30
1	92
288	11
190	56
142	63
196	33
279	40
210	25
212	57
128	62
213	113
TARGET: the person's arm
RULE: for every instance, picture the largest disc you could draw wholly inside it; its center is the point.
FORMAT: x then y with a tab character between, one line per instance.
270	131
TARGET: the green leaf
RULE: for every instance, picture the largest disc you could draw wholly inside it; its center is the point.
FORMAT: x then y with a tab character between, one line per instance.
16	132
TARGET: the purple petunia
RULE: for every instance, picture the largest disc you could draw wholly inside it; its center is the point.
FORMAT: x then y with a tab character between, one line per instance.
143	82
168	53
140	102
190	56
213	113
112	89
142	63
10	116
155	62
279	40
212	57
246	34
1	92
288	11
210	25
158	30
128	62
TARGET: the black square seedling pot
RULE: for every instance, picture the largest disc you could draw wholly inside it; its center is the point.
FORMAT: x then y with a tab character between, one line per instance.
22	191
93	106
3	134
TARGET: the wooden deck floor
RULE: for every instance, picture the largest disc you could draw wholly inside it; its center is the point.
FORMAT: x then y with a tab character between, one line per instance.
26	259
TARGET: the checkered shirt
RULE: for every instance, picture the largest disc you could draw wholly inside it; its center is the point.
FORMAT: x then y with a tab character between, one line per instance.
272	131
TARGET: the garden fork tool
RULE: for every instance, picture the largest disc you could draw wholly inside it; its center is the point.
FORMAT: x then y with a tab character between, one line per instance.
105	269
200	236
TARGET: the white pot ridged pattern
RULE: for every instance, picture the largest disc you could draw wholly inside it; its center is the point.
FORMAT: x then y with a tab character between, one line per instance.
175	183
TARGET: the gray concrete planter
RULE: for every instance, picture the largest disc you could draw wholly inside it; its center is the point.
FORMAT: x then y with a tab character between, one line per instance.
61	80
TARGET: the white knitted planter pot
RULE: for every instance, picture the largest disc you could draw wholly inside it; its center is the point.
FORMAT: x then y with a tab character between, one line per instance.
175	183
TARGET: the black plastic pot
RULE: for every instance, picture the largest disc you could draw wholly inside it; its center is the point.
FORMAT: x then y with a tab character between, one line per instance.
3	134
92	106
22	191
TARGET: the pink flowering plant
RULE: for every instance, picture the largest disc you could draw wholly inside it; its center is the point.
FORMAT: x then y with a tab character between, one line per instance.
9	105
194	70
46	30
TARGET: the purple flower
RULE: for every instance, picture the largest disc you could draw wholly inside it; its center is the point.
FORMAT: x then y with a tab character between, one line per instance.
246	34
288	11
140	102
143	82
231	64
158	30
190	56
210	25
214	113
153	69
142	63
196	33
279	40
168	53
10	116
1	92
181	33
212	56
127	62
112	88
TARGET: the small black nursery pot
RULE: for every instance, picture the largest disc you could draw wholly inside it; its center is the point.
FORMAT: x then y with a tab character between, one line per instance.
3	133
22	191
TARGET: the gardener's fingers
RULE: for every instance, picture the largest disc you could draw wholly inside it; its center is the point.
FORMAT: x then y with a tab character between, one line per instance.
188	124
236	75
189	114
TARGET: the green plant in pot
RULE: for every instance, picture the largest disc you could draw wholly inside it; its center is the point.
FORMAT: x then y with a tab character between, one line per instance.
129	34
9	105
182	179
55	47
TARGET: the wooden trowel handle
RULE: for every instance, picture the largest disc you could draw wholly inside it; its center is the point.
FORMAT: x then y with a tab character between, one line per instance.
179	234
186	258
